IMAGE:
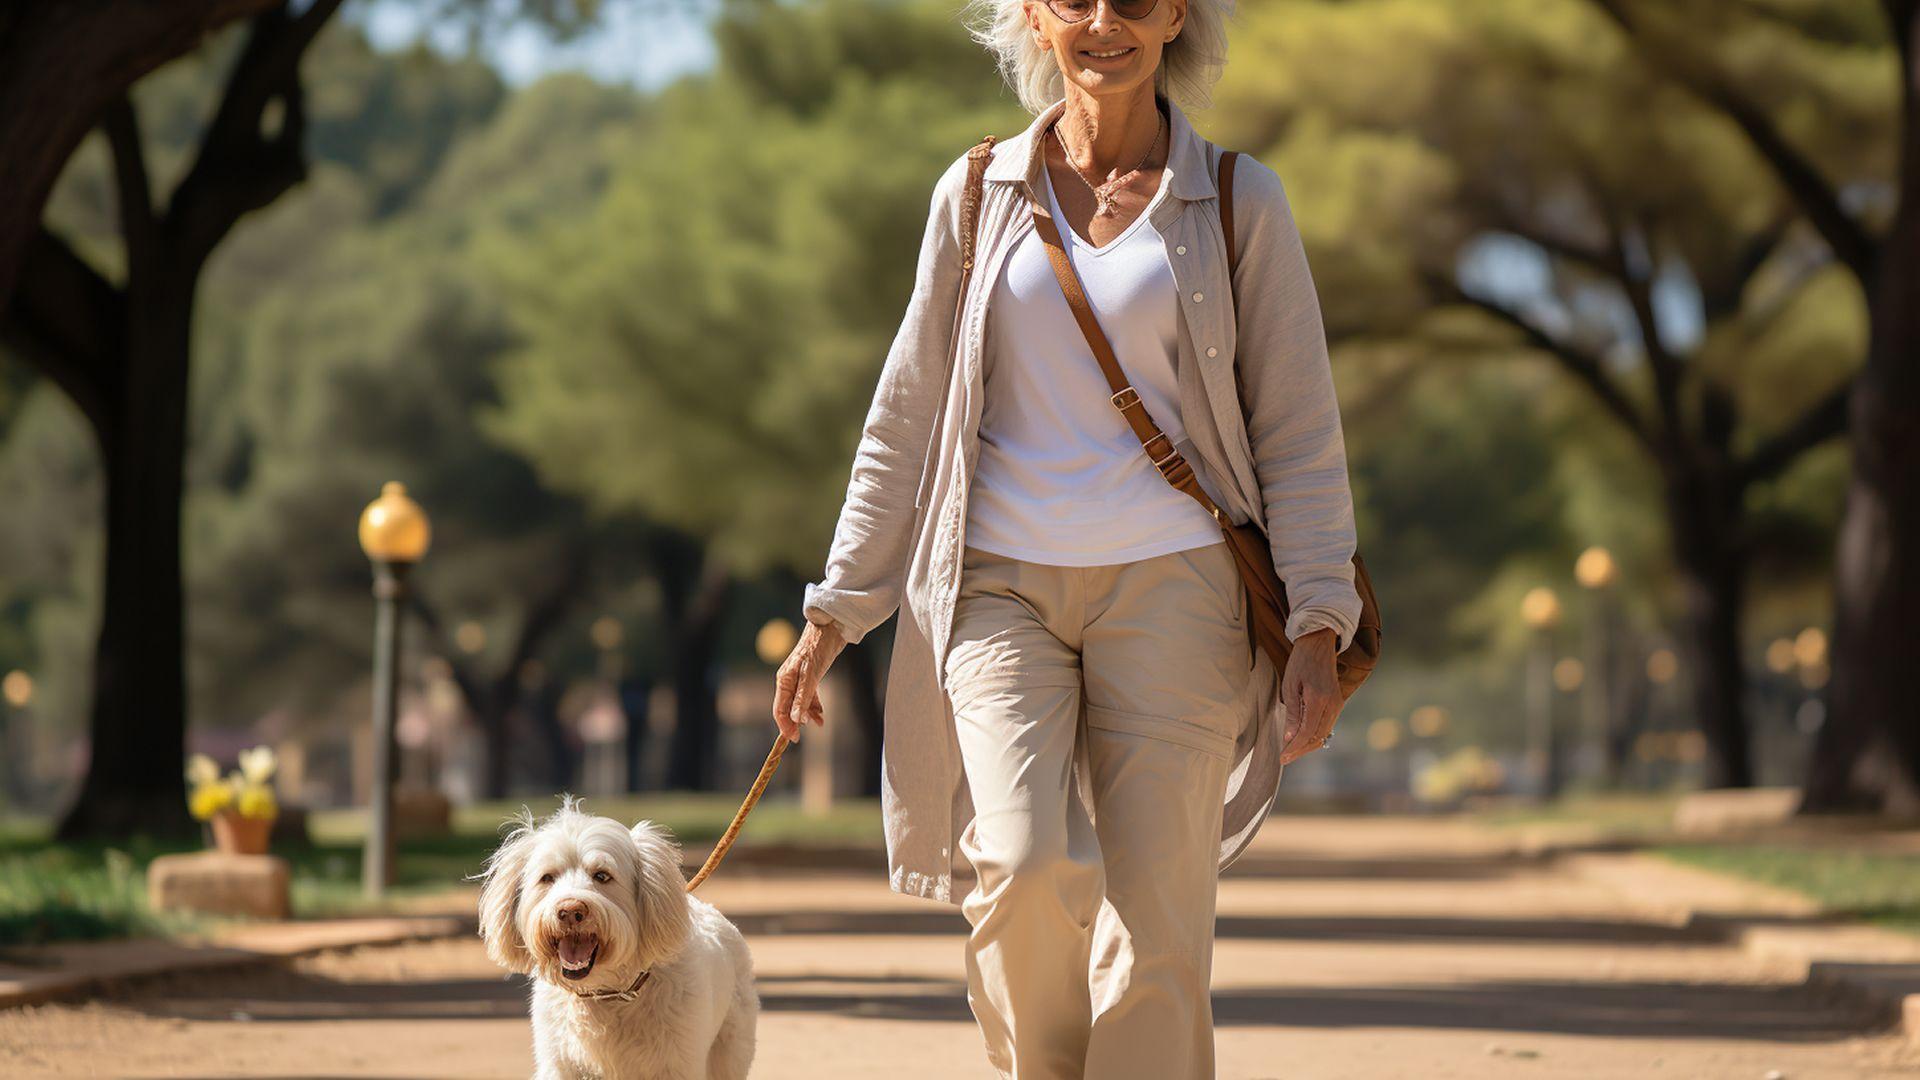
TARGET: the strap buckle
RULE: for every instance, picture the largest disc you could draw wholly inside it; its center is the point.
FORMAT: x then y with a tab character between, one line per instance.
1125	391
1162	463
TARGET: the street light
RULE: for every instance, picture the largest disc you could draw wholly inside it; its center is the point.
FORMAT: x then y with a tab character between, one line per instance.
395	534
1596	571
1540	609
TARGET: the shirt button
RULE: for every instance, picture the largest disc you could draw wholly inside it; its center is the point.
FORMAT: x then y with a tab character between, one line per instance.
1198	297
1181	250
1211	351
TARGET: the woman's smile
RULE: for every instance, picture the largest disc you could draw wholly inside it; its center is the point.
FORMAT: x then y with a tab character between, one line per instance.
1110	54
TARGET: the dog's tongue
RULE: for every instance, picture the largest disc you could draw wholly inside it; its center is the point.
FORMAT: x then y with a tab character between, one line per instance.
575	948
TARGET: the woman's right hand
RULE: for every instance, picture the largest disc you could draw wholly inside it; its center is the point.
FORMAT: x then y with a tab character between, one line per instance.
796	693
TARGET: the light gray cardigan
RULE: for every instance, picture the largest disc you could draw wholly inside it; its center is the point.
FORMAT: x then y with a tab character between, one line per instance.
900	533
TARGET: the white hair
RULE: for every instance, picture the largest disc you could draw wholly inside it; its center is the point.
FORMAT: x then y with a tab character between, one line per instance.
1189	66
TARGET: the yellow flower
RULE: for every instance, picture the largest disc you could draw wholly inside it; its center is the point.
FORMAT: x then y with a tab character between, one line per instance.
209	799
257	801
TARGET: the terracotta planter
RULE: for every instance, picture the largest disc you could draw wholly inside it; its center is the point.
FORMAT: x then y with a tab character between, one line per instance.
237	835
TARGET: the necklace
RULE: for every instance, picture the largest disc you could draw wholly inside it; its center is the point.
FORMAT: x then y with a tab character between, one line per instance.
1106	196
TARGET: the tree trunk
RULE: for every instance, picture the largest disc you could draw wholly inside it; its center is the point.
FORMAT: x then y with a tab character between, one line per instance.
1876	585
563	759
497	722
636	694
866	703
1709	551
134	782
698	585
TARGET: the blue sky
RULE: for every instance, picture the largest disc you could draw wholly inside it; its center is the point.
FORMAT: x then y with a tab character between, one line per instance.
645	43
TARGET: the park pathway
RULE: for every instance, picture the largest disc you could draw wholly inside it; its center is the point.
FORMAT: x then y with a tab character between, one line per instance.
1348	948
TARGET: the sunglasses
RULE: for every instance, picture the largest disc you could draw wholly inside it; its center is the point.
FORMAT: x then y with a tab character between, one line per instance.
1074	11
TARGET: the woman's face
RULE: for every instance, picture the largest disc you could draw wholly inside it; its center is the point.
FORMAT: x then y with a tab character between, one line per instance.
1104	52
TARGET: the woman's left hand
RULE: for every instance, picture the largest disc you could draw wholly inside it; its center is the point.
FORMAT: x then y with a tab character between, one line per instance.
1310	690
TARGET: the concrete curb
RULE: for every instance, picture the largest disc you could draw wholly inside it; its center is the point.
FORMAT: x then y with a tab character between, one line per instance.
79	970
1877	969
68	971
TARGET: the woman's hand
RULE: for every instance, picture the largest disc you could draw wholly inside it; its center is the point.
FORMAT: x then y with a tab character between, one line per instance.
1311	691
796	694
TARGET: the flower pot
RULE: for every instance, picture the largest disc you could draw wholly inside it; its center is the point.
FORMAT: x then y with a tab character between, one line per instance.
238	835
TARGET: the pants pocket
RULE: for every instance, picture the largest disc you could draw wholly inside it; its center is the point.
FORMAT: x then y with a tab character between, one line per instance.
1215	567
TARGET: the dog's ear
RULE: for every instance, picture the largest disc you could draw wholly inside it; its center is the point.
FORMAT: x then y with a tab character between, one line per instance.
500	901
660	888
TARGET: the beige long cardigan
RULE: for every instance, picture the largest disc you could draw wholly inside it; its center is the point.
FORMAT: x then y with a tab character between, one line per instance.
919	445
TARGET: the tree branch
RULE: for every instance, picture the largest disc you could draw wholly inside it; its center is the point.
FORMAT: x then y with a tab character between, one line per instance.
69	323
1817	199
1724	297
61	65
1637	283
241	167
134	194
1826	419
1582	365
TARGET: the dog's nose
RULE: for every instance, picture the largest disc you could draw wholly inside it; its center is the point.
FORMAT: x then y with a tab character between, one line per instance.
572	910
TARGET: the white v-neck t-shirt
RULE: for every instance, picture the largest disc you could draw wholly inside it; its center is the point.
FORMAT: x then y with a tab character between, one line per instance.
1061	479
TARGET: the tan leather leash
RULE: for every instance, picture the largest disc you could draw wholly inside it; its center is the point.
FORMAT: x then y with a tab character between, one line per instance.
780	744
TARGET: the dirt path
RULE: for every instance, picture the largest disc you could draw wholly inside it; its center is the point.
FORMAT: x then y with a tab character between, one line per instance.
1346	949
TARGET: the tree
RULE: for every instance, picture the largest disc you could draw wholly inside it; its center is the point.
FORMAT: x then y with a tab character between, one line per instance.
373	365
121	350
1877	573
1522	194
703	350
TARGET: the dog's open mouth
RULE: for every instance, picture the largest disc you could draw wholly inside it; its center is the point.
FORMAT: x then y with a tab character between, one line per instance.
577	953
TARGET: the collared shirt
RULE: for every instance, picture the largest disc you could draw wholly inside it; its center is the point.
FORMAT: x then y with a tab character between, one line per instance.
1282	462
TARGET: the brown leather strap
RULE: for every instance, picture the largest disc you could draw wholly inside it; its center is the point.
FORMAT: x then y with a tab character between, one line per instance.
977	158
1173	467
1225	185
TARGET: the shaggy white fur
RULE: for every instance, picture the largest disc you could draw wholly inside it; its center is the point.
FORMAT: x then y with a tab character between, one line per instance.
584	905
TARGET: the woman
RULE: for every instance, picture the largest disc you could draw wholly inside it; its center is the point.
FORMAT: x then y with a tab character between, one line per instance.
1073	701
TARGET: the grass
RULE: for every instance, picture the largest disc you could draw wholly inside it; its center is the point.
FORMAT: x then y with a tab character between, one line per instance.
1878	888
67	892
1638	813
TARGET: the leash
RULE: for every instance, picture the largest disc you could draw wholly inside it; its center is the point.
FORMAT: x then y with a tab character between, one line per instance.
780	744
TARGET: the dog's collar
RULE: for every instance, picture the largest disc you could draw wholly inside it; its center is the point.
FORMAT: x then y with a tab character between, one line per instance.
618	995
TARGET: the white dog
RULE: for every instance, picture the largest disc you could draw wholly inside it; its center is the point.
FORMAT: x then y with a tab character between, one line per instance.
633	977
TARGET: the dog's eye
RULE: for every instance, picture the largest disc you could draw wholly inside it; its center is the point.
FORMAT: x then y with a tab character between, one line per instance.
602	876
546	879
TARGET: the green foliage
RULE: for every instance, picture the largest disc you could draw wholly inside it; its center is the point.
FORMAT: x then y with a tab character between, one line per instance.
1503	142
67	894
341	340
704	348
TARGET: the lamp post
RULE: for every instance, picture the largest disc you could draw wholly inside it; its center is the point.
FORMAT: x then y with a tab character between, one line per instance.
16	689
1540	608
1596	572
395	534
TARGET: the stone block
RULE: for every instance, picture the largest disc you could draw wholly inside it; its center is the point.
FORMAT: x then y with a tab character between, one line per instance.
220	884
1726	810
421	812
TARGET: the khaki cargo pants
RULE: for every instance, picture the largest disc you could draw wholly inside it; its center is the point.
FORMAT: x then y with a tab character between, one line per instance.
1091	944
